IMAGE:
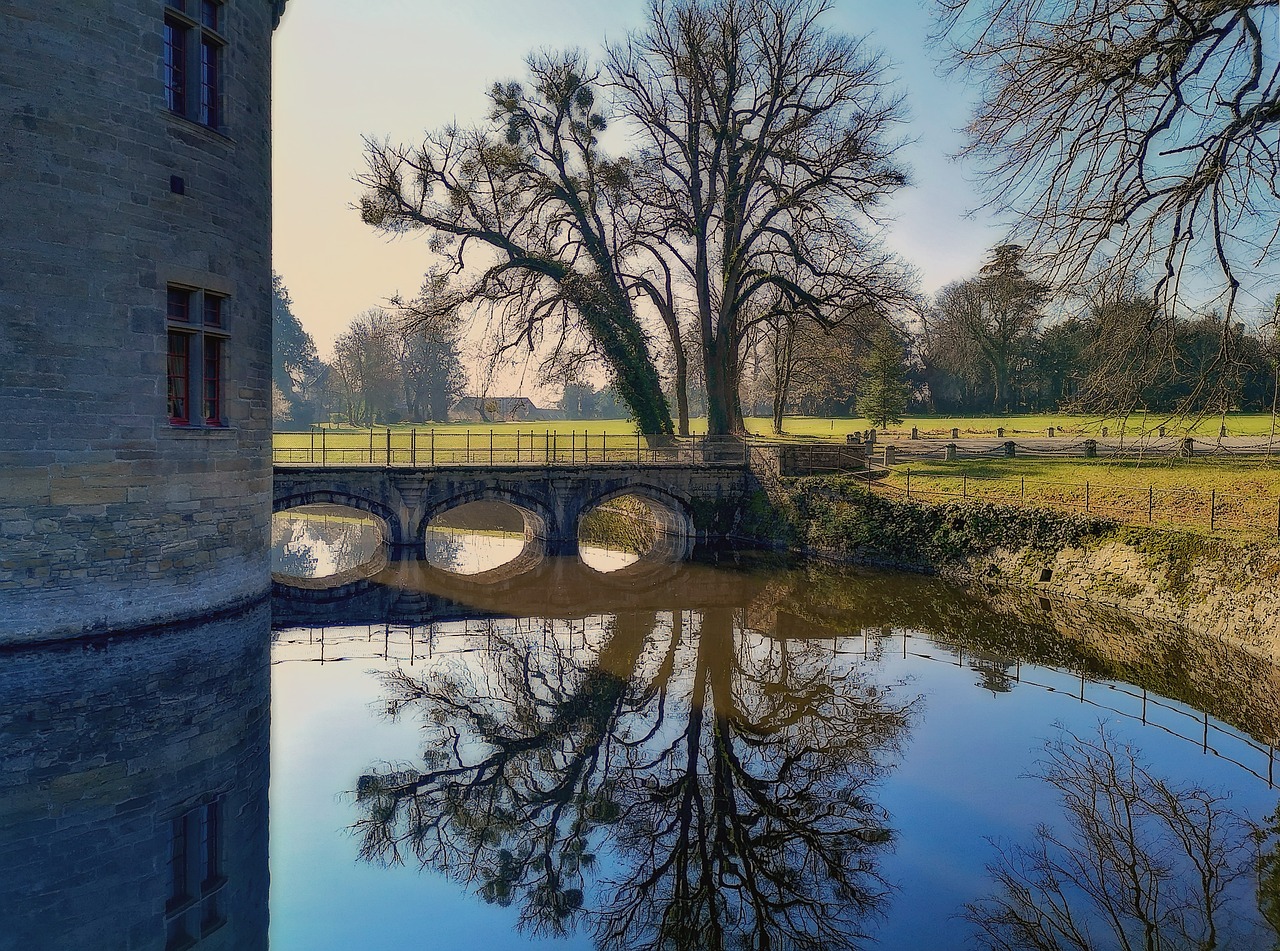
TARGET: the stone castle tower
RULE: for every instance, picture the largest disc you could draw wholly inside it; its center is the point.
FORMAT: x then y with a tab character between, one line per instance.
135	328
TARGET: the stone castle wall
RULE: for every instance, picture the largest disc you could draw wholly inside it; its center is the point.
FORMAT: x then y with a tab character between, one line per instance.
109	515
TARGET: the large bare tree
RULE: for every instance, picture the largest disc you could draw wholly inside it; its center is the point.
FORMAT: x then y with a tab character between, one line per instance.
766	151
530	203
1134	133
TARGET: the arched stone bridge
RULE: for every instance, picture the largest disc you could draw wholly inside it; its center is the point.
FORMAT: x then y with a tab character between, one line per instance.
688	502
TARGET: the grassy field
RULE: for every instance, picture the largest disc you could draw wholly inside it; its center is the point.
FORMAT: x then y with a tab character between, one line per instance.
1195	494
810	427
1238	424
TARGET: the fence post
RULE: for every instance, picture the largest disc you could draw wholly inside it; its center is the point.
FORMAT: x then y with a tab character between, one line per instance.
1151	503
413	448
371	442
468	447
388	447
908	483
964	486
433	449
1024	490
1086	497
637	447
491	447
546	452
324	449
312	457
1213	509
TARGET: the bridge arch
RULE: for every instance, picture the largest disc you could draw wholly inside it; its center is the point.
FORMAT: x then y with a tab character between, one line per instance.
672	515
672	512
540	524
394	532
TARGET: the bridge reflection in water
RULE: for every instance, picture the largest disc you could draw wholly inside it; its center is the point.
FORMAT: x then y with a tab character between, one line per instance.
133	791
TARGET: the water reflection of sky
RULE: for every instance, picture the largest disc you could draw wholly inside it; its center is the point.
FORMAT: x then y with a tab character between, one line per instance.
962	779
323	541
320	541
468	553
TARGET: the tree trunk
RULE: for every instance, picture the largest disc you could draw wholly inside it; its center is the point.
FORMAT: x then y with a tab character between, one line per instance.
682	390
724	414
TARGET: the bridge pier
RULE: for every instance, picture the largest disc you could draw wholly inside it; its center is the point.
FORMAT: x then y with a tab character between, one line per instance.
561	547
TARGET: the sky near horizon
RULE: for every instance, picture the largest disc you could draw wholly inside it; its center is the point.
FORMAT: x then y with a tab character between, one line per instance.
396	68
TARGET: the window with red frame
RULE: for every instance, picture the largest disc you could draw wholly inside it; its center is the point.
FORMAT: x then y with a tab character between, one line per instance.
180	304
193	36
210	82
212	310
197	333
179	377
175	65
213	381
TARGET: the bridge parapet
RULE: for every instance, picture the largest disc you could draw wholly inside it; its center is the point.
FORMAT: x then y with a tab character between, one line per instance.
433	449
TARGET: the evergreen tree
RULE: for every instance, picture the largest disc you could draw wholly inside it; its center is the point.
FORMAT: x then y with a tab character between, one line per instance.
293	359
883	393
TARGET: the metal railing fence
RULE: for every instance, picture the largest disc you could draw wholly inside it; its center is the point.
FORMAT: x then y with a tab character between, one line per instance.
1174	507
431	448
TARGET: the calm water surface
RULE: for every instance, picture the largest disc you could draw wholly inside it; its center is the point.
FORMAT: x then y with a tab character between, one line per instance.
736	753
476	747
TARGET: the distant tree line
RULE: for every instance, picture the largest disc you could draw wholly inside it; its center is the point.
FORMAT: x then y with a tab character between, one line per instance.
388	367
999	342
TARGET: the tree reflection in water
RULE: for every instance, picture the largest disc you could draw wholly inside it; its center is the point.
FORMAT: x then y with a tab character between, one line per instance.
714	787
1140	863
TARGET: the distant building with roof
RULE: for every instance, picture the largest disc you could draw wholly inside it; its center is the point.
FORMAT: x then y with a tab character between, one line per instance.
499	409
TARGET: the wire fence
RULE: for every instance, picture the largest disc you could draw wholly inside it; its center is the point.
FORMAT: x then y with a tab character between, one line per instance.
1172	717
418	449
1176	507
1062	447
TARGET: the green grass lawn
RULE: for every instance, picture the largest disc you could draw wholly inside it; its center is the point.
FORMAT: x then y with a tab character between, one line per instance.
811	427
1195	494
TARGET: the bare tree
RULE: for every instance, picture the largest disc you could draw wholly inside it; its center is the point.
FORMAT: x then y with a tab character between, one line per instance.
767	152
535	194
429	351
366	366
1143	862
1133	133
982	328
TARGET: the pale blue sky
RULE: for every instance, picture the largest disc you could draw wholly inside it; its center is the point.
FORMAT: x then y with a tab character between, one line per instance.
398	67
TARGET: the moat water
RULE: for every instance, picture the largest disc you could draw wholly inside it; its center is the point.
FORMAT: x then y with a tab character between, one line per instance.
483	749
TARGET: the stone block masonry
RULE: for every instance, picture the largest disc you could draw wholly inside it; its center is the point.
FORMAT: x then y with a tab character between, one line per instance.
111	516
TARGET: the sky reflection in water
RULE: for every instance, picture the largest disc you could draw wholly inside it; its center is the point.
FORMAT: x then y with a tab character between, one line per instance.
745	754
